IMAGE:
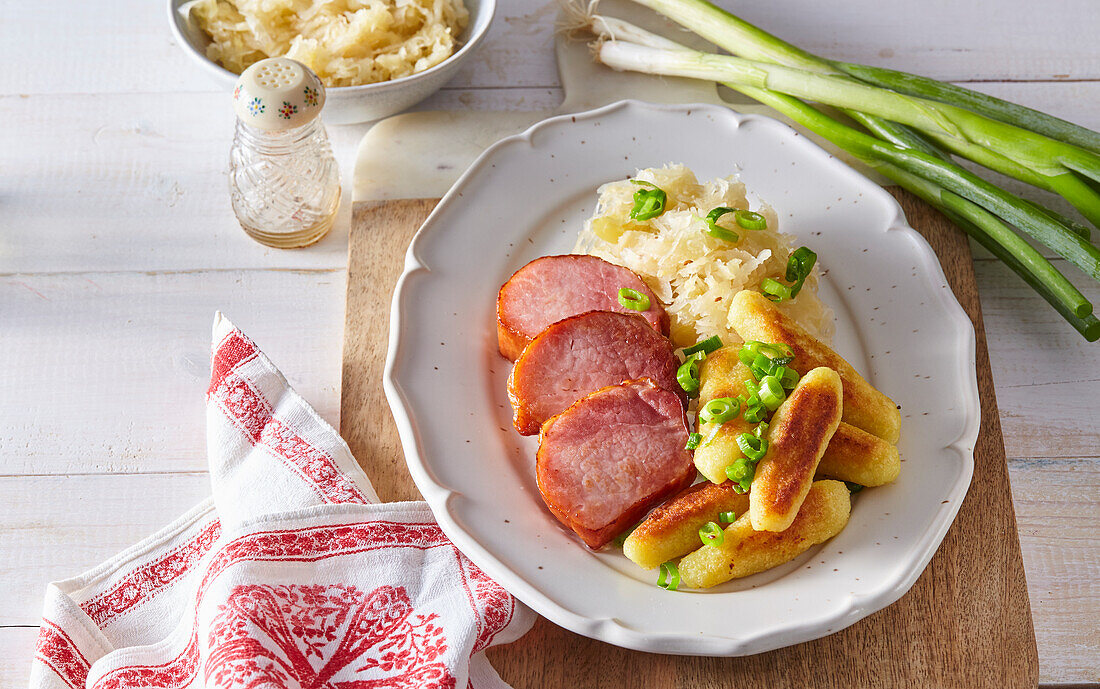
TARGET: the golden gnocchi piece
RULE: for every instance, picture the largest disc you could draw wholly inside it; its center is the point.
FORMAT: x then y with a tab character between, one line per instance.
756	318
798	434
721	375
744	551
672	529
857	456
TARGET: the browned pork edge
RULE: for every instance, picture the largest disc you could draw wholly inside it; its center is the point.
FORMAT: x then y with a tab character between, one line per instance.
511	341
631	514
661	364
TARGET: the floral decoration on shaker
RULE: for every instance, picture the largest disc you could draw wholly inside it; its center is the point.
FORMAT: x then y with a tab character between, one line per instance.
287	110
256	106
310	95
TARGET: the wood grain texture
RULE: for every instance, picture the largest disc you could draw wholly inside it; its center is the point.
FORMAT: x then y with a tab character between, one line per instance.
376	256
1057	511
966	622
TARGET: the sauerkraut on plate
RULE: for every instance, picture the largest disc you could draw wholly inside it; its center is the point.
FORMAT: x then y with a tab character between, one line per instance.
346	42
693	273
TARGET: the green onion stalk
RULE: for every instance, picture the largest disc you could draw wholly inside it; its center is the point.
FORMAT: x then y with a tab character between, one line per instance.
1054	145
918	164
1013	151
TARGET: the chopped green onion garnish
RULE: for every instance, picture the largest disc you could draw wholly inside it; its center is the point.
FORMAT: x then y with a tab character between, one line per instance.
669	578
750	220
720	232
853	487
764	359
711	534
756	413
688	373
746	355
727	517
720	410
753	388
799	265
633	299
708	345
741	469
772	393
693	441
761	430
712	435
775	290
753	446
648	203
787	376
760	366
742	486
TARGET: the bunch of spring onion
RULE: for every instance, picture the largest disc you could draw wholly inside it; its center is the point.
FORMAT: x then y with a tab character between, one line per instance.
906	127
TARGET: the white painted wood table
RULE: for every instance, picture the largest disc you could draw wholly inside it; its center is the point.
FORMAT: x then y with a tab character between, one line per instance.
117	244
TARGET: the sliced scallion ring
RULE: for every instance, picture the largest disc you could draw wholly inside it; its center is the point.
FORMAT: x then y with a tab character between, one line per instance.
720	410
761	430
720	232
775	290
669	578
750	220
633	299
741	469
853	487
772	393
755	413
711	534
688	374
707	346
752	446
648	202
799	264
693	441
727	517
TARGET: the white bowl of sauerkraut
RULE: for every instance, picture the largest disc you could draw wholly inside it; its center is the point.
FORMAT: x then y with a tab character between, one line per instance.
340	40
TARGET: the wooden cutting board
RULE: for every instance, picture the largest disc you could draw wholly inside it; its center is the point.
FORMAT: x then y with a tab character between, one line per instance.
966	622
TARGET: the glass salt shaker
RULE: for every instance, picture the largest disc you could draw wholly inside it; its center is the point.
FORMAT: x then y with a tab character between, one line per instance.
283	178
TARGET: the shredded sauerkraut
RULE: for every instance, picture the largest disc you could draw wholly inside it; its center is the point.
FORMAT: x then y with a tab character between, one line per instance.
693	274
346	42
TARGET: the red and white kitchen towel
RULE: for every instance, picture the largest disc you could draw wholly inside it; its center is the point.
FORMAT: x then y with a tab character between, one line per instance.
292	574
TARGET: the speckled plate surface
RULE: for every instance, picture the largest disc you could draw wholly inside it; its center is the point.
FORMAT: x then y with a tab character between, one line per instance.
897	322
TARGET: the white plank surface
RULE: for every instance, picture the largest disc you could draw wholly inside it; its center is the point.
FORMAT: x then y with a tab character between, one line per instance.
117	244
107	382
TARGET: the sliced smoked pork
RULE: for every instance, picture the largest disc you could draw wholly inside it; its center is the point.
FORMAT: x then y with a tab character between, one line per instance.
582	354
605	461
551	288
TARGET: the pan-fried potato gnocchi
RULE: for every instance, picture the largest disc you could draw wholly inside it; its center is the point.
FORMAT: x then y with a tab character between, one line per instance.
797	436
744	551
857	456
756	318
721	375
672	529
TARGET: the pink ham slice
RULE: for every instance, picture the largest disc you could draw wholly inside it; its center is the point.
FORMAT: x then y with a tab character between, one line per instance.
582	354
551	288
605	461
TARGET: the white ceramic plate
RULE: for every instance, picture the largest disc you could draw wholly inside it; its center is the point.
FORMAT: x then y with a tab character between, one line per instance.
897	322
